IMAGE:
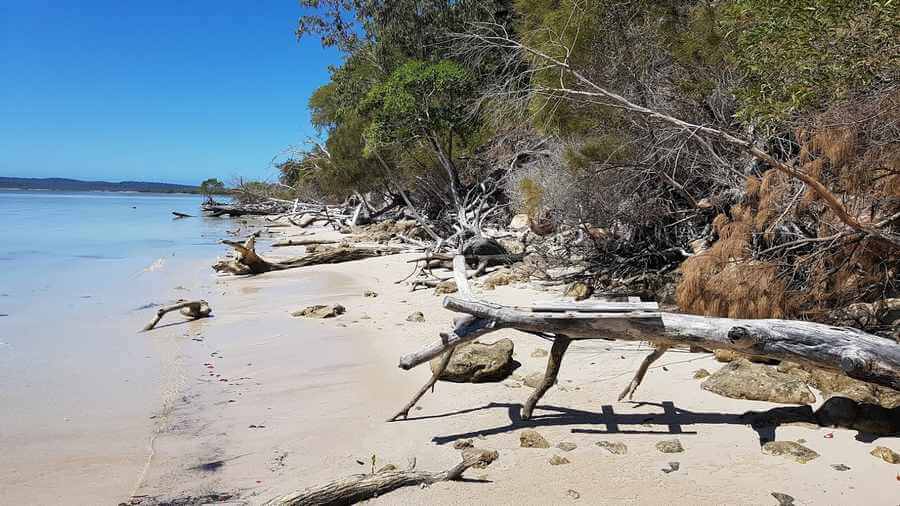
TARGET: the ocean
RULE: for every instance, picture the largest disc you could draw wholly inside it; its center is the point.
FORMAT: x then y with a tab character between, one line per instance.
80	274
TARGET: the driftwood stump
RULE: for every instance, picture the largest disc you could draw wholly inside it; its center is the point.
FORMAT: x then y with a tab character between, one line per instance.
193	309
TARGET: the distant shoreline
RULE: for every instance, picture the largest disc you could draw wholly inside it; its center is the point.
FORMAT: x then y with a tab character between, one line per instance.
61	190
66	184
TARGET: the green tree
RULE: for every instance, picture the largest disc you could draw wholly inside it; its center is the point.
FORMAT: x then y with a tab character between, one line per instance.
212	186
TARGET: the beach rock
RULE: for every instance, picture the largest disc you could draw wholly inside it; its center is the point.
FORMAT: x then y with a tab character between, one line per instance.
479	363
724	355
416	317
483	246
534	379
573	494
487	456
742	380
701	373
614	447
791	450
673	466
670	446
513	246
386	468
830	383
462	444
539	353
840	467
783	499
579	290
532	439
500	277
727	356
519	222
556	460
320	311
446	287
370	293
566	446
886	454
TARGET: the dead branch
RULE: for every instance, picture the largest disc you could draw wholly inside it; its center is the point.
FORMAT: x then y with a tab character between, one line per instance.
361	487
302	242
248	262
181	215
193	309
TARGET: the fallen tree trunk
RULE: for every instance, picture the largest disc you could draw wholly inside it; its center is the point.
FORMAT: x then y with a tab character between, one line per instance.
850	351
181	215
193	309
302	242
248	262
362	487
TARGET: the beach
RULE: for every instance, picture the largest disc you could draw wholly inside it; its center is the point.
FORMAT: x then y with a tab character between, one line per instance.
255	403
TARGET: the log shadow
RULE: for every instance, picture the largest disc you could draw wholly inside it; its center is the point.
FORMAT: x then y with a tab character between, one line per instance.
673	418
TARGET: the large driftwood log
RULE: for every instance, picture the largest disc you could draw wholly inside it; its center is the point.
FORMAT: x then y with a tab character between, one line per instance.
361	487
302	242
247	261
193	309
850	351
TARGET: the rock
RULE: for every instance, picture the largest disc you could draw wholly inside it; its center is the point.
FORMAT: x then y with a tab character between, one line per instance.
370	293
556	460
416	317
462	444
389	467
500	277
513	246
886	454
446	287
783	499
673	466
566	446
614	448
534	379
742	380
539	353
725	355
320	311
670	446
532	439
838	384
487	456
479	363
579	290
701	373
847	413
840	467
519	222
789	449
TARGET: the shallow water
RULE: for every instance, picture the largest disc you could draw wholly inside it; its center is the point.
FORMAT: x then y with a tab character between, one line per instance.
80	273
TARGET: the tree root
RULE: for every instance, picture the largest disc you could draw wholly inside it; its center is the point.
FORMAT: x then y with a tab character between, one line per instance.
193	309
248	262
642	370
361	487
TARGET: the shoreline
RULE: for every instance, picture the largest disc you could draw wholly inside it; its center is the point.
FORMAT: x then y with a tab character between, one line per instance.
318	392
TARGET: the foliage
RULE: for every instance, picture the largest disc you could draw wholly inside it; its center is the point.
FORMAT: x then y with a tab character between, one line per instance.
212	186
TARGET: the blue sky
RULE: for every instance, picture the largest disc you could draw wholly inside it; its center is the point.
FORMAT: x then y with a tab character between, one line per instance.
173	91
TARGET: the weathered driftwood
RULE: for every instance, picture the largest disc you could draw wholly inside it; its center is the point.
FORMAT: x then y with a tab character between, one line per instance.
189	308
302	242
247	261
181	215
238	210
855	353
361	487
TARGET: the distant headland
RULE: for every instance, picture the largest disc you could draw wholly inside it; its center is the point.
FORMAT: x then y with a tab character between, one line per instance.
63	184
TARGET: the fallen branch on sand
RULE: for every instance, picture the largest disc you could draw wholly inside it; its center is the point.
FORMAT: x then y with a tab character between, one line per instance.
193	309
181	215
247	261
850	351
302	242
361	487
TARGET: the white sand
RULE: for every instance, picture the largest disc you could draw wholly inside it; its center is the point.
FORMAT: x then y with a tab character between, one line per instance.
323	388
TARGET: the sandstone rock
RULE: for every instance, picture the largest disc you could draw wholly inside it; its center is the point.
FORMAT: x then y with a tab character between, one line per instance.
462	444
500	277
701	373
479	363
566	446
791	450
532	439
539	353
725	355
320	311
487	456
556	460
673	466
614	448
416	317
670	446
513	246
573	494
886	454
579	290
446	287
742	380
370	293
534	379
840	467
519	222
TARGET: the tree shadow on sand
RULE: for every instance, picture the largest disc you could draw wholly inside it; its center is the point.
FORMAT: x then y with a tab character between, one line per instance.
671	420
